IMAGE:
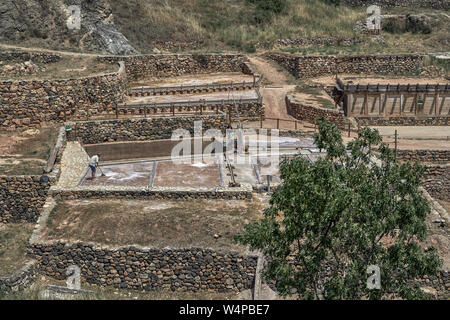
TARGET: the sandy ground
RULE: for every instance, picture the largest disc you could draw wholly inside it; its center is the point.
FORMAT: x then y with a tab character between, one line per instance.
129	174
7	143
244	94
155	223
172	174
198	79
275	92
311	100
358	79
438	132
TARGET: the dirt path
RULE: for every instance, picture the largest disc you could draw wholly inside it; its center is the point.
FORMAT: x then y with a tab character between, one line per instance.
8	46
274	92
270	72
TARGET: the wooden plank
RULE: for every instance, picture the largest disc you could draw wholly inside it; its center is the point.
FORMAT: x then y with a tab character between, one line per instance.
442	105
51	160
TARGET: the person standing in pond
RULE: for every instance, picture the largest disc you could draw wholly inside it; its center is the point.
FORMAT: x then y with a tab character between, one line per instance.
93	164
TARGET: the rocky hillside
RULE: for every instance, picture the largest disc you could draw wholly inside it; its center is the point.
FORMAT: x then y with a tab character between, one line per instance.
45	21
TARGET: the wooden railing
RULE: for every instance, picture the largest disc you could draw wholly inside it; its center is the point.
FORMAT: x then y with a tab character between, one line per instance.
142	91
197	106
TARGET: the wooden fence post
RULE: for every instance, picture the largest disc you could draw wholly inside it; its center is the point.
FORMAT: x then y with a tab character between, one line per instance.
396	144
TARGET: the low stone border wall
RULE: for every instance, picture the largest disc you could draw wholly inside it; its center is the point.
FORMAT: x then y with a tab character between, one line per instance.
20	279
22	197
403	121
192	269
169	65
436	156
316	66
436	181
168	193
312	114
132	267
434	4
33	103
320	41
42	57
139	129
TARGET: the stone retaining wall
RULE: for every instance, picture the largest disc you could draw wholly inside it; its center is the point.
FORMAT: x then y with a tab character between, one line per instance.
139	129
435	4
312	114
22	197
320	41
42	57
33	103
159	193
316	66
192	269
436	156
436	181
20	280
170	65
403	121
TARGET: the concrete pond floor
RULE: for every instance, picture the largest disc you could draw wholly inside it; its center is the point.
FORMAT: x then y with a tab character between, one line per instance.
198	79
236	95
158	173
207	172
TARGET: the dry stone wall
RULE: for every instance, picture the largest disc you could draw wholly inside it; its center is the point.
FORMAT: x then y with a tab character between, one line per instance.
320	41
22	197
403	121
434	4
146	193
161	65
435	156
436	181
42	57
312	114
315	66
192	269
32	103
139	129
20	279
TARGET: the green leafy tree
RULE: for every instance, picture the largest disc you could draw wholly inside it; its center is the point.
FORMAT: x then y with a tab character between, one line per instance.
330	220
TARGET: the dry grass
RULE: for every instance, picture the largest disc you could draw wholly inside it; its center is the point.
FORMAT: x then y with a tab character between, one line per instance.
227	22
26	152
29	144
19	168
221	25
13	243
35	293
174	224
70	66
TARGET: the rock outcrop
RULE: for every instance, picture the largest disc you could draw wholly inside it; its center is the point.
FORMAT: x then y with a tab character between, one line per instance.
47	21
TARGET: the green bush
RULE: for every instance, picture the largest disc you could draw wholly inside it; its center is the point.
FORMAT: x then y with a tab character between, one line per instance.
335	2
265	9
418	27
394	26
